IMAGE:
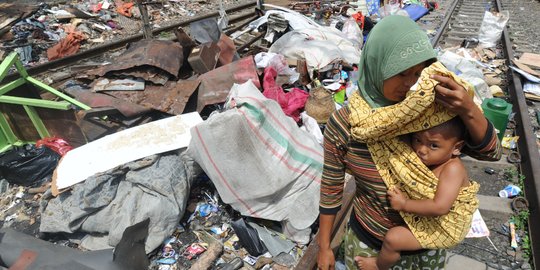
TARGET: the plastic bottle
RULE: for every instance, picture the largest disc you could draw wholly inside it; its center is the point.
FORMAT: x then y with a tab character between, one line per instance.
497	111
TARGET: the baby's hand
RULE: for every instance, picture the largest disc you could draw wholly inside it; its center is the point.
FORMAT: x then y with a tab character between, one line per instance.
397	199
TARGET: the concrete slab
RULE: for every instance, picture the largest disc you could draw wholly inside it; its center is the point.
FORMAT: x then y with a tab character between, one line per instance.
496	204
460	262
490	184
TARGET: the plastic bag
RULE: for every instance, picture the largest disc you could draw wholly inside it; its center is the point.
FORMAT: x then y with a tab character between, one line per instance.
353	32
492	28
390	9
58	145
27	165
467	70
248	238
279	63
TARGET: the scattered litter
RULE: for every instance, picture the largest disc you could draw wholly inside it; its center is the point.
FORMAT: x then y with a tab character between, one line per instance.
193	251
489	170
509	191
510	142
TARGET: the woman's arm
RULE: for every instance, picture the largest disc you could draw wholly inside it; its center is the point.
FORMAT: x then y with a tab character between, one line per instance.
325	258
332	184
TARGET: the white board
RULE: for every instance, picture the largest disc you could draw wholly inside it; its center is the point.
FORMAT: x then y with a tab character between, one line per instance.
122	147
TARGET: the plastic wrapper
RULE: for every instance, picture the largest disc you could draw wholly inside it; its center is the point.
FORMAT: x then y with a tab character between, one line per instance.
248	237
492	28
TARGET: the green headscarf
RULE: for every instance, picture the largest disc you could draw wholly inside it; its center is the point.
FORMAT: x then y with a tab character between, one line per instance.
395	44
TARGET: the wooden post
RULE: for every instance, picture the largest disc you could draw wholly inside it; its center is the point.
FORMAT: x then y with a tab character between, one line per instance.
147	30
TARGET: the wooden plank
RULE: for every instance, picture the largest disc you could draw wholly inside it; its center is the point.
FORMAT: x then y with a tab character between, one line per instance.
532	97
309	259
531	59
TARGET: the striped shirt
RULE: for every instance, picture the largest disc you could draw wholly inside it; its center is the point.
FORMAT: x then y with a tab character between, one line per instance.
371	206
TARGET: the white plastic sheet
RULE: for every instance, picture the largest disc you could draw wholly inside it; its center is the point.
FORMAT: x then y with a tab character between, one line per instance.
353	32
320	47
467	70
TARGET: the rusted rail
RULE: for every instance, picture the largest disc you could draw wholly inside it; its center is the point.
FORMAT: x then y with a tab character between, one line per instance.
528	148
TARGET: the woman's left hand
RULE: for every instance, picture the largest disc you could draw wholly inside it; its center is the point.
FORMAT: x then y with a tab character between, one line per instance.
453	96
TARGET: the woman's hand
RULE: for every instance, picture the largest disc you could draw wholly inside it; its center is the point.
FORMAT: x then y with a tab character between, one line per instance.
453	96
397	199
325	259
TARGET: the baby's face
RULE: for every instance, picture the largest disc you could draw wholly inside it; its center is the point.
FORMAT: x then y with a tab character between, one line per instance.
433	147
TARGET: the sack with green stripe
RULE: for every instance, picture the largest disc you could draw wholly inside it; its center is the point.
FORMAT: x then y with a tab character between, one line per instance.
260	161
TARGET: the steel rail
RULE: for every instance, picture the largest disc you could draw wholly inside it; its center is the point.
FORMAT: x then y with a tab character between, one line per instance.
530	158
100	49
444	24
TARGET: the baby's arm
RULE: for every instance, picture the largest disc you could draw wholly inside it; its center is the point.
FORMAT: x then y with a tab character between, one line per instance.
450	182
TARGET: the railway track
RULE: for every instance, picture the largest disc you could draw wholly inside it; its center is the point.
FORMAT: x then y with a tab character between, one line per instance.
464	23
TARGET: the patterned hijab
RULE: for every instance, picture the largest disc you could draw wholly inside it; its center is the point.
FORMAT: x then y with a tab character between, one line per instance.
395	44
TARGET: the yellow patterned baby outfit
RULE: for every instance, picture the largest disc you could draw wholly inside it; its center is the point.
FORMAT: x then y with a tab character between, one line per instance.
399	165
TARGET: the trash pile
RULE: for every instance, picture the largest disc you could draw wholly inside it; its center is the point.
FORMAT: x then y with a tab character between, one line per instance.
209	154
46	32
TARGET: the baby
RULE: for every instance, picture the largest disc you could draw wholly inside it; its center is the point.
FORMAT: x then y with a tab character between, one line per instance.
439	149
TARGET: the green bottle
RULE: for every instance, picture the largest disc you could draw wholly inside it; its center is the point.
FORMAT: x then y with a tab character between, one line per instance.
497	111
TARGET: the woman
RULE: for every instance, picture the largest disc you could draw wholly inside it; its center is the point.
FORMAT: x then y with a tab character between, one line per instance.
395	54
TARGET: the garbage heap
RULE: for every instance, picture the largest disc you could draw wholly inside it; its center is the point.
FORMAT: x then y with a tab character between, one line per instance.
51	30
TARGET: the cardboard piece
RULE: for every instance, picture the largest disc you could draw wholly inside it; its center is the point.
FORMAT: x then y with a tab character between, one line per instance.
531	59
525	68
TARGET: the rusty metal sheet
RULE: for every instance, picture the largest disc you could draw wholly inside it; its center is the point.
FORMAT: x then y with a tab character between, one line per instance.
187	45
228	50
164	54
170	98
59	123
216	84
63	124
96	100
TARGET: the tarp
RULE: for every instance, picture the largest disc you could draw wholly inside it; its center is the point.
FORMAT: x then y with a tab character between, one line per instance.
260	161
155	187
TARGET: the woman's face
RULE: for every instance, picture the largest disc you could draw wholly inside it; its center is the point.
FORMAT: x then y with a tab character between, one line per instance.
395	88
